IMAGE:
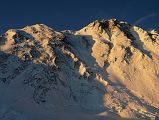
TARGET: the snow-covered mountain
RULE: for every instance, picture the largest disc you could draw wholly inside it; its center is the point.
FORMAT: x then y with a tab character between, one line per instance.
107	70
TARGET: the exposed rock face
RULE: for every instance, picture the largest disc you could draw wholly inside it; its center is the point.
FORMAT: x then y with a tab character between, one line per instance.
107	66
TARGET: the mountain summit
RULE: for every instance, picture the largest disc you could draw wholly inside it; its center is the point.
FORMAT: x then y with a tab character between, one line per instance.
106	70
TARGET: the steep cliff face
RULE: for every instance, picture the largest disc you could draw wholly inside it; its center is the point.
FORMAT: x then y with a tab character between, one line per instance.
108	66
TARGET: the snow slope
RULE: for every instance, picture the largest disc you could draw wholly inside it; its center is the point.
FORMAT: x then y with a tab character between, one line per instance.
107	70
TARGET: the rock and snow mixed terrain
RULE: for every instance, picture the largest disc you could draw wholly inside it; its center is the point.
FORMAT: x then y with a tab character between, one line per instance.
107	70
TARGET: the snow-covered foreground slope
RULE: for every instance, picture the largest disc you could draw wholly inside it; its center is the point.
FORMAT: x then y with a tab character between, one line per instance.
107	70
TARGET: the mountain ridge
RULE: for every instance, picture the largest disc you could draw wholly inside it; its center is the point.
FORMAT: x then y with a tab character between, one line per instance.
109	66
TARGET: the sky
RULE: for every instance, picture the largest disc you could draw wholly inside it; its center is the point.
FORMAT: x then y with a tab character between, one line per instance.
75	14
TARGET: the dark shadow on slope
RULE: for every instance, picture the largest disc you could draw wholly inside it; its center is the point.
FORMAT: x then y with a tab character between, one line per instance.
2	39
87	44
136	42
11	67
